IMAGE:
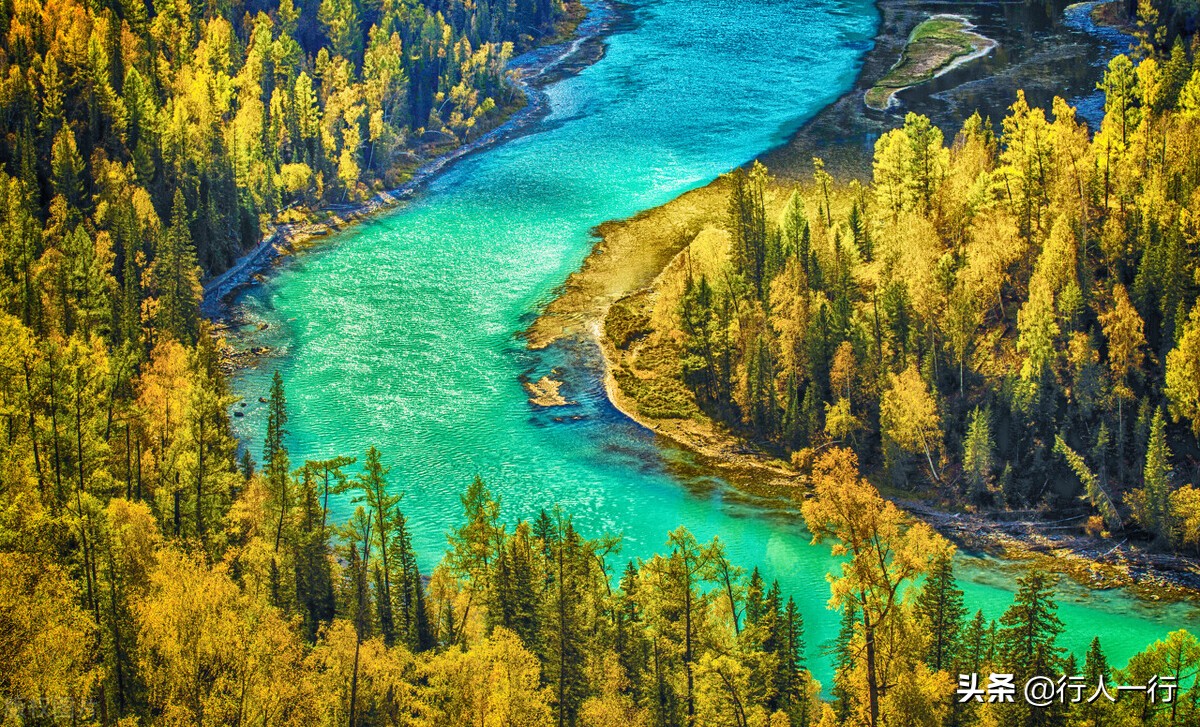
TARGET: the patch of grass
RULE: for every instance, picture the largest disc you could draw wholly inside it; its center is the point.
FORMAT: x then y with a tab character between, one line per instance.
657	397
667	399
878	96
648	369
937	28
626	322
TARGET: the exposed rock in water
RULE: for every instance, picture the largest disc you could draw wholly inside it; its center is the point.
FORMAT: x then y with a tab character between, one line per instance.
545	392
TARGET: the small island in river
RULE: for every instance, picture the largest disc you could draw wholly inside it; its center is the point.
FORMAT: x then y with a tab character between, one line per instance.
545	392
936	46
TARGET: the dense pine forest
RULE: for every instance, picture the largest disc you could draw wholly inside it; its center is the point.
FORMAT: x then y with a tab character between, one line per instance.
154	575
188	591
1001	321
120	118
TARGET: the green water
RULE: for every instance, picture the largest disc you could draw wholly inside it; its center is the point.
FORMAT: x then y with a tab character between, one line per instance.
402	332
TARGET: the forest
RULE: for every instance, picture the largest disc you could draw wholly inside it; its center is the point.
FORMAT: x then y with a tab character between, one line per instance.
250	112
998	322
156	572
224	595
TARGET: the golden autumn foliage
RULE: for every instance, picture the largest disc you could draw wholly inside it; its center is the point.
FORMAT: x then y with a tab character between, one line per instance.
150	576
45	638
1042	269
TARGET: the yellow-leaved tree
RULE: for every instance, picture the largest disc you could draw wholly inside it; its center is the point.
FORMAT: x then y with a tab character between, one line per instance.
909	418
882	553
1183	374
211	654
496	682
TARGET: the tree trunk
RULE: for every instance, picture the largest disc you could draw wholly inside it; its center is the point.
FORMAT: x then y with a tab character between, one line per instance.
687	641
872	679
200	481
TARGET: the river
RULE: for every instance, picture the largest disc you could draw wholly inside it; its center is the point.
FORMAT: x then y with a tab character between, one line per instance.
403	332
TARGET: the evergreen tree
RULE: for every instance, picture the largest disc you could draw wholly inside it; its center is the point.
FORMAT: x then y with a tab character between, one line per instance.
382	508
978	458
410	614
749	225
1095	671
67	170
629	640
793	678
973	655
1027	639
1095	665
939	606
514	603
1151	504
279	484
275	454
314	578
175	278
755	598
565	640
844	658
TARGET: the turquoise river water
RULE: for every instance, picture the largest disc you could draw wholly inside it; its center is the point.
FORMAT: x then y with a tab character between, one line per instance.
402	332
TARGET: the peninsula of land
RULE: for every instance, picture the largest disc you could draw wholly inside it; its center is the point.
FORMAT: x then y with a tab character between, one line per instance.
628	293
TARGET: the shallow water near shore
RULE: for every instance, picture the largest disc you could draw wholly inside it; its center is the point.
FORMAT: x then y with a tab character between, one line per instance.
402	332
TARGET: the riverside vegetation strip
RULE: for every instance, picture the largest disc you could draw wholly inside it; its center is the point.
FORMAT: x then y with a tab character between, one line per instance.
298	225
644	380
